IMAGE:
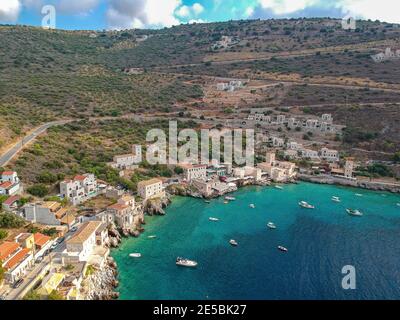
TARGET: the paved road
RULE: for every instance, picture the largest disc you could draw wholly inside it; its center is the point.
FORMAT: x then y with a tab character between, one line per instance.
10	154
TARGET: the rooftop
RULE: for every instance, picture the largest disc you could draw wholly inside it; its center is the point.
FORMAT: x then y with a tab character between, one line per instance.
7	248
149	182
85	231
11	200
17	259
6	185
41	239
8	173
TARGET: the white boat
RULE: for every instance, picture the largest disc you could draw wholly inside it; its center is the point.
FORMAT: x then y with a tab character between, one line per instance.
186	263
283	249
336	199
271	225
233	243
306	205
279	187
135	255
359	195
230	198
213	219
152	237
354	213
253	206
398	204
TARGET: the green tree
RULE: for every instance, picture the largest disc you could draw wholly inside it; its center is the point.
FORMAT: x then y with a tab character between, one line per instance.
8	221
32	295
2	271
55	295
38	190
3	234
396	157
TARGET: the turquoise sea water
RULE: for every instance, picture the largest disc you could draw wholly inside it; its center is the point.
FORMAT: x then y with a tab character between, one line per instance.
320	243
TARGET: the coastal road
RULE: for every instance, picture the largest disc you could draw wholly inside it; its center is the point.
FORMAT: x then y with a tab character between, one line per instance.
13	151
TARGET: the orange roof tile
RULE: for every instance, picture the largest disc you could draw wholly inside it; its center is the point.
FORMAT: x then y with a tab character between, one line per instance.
11	200
8	173
6	185
41	239
80	178
118	207
7	248
17	259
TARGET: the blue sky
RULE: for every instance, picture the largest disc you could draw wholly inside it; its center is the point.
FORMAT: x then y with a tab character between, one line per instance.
122	14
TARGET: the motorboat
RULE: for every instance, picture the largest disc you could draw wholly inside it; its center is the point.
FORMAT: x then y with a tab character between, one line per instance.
283	249
253	206
207	201
213	219
354	213
398	204
230	198
306	205
271	225
336	199
233	243
186	263
359	195
152	237
135	255
279	187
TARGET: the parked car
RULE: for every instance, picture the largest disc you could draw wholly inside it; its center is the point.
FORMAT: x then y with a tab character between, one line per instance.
61	240
39	259
18	283
74	229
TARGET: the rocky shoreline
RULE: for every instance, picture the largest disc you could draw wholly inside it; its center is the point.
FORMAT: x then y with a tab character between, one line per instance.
374	186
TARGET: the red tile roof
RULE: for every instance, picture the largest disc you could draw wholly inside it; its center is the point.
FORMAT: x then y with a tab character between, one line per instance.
118	207
41	239
17	259
80	178
8	173
11	200
6	249
6	185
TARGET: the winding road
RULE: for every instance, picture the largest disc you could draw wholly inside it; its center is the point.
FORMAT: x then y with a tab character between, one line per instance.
13	151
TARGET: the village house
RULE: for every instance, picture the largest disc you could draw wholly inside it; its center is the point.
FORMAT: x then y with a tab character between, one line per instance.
192	172
151	189
80	189
278	171
210	187
329	155
47	213
16	260
10	184
122	215
128	161
50	283
82	244
11	203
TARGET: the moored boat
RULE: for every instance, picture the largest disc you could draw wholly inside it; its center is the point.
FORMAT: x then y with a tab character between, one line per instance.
253	206
279	187
336	199
306	205
233	243
283	249
230	198
271	225
213	219
152	237
186	263
135	255
354	213
359	195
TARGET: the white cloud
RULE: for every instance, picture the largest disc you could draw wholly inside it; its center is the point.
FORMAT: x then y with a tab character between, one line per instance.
9	10
249	12
197	9
190	11
123	14
384	10
286	6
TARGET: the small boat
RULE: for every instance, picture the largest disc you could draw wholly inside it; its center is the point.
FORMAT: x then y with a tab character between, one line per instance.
233	243
306	205
186	263
354	213
253	206
336	199
213	219
152	237
359	195
283	249
279	187
226	202
207	201
398	204
135	255
230	198
271	225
